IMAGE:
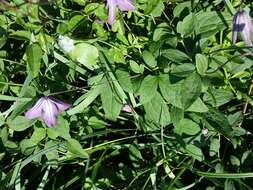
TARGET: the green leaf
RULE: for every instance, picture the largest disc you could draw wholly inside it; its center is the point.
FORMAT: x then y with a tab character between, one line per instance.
38	135
198	106
148	88
21	35
4	134
61	129
27	146
116	55
161	32
164	85
176	115
183	70
218	121
157	110
34	55
195	152
75	148
52	155
187	26
12	98
201	63
214	147
218	97
96	123
124	80
173	94
229	185
2	120
235	161
135	67
11	145
90	8
89	97
149	59
182	7
20	123
85	54
211	22
75	21
3	37
80	2
154	7
188	127
110	102
191	90
175	55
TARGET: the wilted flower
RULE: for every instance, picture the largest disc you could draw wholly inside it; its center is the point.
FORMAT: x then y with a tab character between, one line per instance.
124	5
48	108
242	23
66	43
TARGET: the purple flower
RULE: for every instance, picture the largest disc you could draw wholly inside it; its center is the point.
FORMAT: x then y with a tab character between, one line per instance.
124	5
48	108
242	23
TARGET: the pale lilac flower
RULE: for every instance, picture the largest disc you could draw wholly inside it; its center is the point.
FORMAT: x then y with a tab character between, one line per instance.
127	108
242	23
48	108
205	132
123	5
66	43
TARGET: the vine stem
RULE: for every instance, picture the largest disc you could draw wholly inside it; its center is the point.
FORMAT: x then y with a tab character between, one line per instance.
245	106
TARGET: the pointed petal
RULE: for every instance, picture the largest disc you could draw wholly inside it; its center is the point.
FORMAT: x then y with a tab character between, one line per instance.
36	110
247	30
59	104
242	23
50	113
125	5
234	37
127	108
235	28
111	4
246	35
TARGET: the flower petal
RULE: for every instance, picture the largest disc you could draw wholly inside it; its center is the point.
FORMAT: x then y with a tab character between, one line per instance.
36	110
125	5
111	4
242	23
127	108
247	30
59	104
235	29
50	112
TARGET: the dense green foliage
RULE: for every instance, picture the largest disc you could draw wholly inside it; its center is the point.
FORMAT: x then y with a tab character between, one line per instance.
161	99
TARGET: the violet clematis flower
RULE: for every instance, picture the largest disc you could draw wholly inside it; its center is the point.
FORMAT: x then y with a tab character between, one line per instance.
48	108
242	23
124	5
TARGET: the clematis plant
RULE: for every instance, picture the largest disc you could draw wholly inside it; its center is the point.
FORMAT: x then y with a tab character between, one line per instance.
48	108
242	23
123	5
